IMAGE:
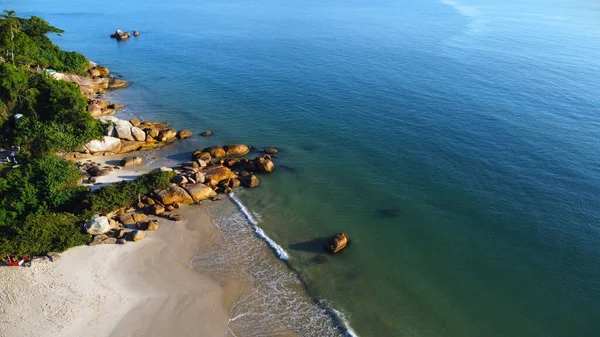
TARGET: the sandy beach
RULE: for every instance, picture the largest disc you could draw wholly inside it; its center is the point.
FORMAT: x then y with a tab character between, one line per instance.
140	289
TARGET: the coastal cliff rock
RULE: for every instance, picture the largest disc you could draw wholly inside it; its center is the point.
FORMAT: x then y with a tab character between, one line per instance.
97	225
236	150
200	192
174	194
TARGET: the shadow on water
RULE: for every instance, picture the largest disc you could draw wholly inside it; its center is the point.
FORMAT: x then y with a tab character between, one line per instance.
316	245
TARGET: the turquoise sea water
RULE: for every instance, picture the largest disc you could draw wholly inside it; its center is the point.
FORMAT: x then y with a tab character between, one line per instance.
475	124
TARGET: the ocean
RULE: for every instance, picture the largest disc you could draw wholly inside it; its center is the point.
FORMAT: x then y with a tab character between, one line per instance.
455	142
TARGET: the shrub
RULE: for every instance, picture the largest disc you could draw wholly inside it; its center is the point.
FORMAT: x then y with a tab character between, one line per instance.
41	234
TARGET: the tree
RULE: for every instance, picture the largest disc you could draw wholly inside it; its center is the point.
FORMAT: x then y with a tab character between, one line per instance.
10	28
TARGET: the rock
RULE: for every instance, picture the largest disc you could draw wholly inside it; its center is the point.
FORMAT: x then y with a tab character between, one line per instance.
103	71
137	217
119	233
200	192
236	150
102	239
271	150
53	256
205	157
199	177
94	72
96	171
206	133
264	165
176	205
201	163
116	83
123	129
130	146
248	180
131	161
121	241
169	208
136	235
97	225
152	132
164	169
249	165
215	152
107	144
174	194
152	225
337	242
231	163
113	224
140	205
183	134
138	134
234	183
156	209
167	135
175	217
131	218
135	122
215	174
179	180
136	33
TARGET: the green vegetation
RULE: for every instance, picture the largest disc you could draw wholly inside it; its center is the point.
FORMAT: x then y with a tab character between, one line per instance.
42	202
25	42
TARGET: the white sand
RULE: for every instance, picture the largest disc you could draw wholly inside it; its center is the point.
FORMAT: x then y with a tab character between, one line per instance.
139	289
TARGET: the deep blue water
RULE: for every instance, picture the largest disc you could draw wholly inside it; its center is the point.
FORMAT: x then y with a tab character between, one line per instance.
476	122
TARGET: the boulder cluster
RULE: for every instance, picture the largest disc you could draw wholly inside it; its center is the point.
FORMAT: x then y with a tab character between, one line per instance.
97	83
98	108
122	136
195	181
121	35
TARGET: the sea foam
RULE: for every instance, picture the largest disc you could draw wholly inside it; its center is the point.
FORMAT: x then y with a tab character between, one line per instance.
281	253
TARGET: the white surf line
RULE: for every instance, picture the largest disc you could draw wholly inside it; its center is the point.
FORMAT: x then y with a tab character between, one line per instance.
281	253
345	324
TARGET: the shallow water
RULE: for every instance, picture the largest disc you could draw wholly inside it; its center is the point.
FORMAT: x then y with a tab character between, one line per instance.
455	142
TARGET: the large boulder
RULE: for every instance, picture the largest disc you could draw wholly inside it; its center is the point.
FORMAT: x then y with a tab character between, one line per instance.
264	165
215	174
174	194
123	129
106	144
131	161
200	192
215	151
167	135
337	242
248	180
138	134
183	134
236	150
97	225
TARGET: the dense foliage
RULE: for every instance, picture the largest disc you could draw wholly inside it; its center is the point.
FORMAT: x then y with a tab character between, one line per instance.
42	205
25	42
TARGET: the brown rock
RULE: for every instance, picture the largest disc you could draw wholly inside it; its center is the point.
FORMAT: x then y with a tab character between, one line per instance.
152	225
337	242
234	183
271	150
231	163
249	165
176	205
102	239
200	192
175	217
136	33
236	150
248	180
264	165
116	83
138	217
167	135
96	171
215	174
131	161
174	194
136	235
135	122
206	133
152	132
156	209
140	205
180	180
183	134
215	151
169	208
